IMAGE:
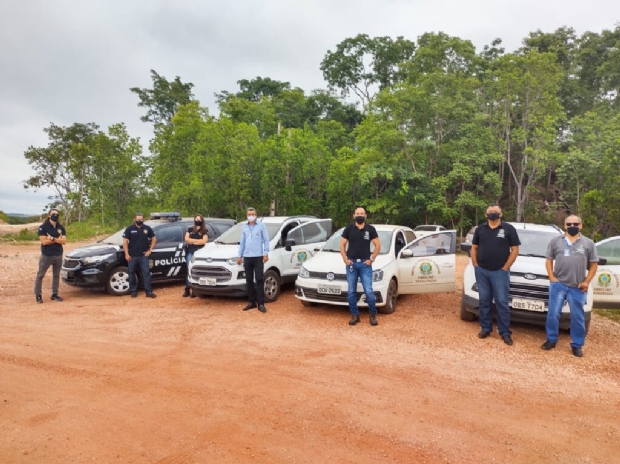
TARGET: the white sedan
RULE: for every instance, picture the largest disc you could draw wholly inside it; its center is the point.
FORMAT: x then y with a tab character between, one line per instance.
427	229
606	283
405	265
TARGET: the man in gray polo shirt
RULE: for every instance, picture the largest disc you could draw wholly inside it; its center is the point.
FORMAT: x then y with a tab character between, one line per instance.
571	266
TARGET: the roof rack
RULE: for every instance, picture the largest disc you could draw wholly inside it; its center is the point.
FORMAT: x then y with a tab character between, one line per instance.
171	216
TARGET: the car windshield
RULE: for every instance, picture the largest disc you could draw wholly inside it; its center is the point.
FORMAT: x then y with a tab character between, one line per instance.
426	228
385	237
534	243
233	235
114	239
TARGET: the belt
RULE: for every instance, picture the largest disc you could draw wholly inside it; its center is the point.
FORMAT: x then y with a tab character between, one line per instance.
358	260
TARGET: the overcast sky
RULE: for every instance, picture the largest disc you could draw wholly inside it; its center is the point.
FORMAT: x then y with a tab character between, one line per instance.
74	61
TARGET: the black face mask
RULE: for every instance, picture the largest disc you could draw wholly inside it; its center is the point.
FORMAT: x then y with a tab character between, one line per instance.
572	231
54	217
493	216
360	219
198	223
139	223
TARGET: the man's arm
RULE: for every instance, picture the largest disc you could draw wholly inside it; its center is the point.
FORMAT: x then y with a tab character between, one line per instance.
343	251
591	272
549	267
473	253
62	240
514	252
46	240
377	243
126	249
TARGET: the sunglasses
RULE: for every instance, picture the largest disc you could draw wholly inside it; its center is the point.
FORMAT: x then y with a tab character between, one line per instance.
572	224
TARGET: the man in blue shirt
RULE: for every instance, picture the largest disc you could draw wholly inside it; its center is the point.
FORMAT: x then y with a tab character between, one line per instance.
254	253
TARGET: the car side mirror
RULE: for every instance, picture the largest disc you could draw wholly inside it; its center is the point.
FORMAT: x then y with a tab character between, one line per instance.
602	261
289	244
408	253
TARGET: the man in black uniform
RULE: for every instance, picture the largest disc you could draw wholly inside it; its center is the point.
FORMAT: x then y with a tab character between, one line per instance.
138	243
52	236
358	260
495	248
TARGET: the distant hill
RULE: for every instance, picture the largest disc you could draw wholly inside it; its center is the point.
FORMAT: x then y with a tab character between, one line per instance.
20	215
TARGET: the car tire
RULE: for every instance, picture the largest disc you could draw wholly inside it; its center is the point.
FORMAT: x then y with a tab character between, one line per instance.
308	303
118	282
390	299
466	315
271	285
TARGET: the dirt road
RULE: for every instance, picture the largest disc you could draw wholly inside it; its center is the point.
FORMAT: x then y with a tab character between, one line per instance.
177	381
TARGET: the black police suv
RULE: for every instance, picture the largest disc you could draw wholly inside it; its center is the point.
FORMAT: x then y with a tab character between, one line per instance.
103	264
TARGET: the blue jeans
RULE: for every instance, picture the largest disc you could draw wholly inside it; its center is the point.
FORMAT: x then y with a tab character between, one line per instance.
142	263
493	285
558	294
188	258
364	272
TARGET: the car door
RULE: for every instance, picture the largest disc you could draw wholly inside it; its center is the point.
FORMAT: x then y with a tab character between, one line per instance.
168	258
606	283
303	240
428	264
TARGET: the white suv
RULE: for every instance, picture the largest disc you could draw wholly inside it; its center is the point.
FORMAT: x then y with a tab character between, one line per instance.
529	284
213	269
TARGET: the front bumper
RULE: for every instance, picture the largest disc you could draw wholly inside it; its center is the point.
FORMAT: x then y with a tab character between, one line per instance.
520	315
93	276
307	289
235	289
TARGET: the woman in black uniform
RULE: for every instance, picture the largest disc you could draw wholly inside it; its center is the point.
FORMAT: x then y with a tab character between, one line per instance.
195	238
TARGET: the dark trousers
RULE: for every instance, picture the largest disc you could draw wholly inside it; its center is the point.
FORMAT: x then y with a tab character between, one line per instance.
44	264
254	268
142	263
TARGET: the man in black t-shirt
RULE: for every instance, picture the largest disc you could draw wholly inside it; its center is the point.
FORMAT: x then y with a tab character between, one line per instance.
52	236
358	259
495	248
138	243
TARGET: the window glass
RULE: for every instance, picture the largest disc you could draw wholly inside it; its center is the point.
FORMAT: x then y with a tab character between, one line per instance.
609	250
409	236
435	244
169	234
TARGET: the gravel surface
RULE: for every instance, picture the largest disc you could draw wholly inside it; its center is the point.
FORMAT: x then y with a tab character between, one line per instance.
109	379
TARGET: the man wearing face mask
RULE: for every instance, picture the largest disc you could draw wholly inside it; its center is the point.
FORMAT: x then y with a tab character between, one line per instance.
138	243
495	248
52	236
358	260
571	265
254	253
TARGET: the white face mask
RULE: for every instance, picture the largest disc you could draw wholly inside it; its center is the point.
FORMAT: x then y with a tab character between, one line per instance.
251	218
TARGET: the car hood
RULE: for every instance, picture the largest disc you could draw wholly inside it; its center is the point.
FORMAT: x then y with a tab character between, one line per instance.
529	264
217	251
325	261
94	249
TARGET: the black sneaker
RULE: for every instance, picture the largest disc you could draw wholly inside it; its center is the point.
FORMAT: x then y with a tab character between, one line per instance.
56	297
373	319
548	345
151	295
186	292
261	308
483	334
249	306
134	294
507	340
577	351
39	299
354	320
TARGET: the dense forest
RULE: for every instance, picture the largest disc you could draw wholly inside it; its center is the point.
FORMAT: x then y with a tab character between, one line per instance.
425	131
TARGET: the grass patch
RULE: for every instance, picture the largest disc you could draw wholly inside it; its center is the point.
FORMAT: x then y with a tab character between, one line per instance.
614	315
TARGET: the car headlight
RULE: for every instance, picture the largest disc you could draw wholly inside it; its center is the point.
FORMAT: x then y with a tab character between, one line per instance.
231	261
97	259
303	272
377	275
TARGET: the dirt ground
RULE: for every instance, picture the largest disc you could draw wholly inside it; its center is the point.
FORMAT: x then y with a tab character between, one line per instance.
98	378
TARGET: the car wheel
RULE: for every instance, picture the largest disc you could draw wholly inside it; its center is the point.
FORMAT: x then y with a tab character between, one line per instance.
308	303
118	281
392	296
271	285
466	315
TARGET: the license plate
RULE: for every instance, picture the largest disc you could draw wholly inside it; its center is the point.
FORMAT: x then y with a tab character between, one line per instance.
329	289
207	281
64	274
528	305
